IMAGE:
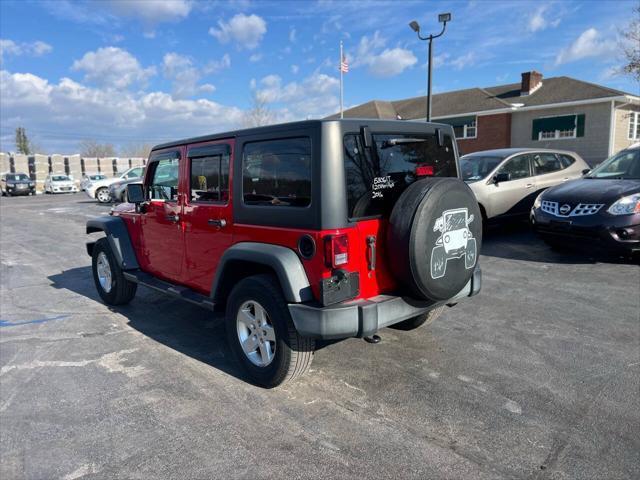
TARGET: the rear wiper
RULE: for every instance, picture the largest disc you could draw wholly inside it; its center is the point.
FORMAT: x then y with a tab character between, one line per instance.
392	142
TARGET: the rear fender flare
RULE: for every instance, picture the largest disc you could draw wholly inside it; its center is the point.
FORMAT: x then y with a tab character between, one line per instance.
282	260
118	236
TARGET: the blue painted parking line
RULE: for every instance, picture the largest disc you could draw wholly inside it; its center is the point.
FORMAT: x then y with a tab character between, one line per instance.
7	323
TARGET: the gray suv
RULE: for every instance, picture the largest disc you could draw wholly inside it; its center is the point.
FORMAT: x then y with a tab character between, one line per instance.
507	181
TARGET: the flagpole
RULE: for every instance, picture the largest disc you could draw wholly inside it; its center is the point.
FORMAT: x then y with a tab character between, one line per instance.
341	84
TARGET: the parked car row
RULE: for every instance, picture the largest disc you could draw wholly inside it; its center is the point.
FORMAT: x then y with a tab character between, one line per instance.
101	189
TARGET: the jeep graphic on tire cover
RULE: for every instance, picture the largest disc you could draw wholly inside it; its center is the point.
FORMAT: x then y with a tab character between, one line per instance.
436	232
455	241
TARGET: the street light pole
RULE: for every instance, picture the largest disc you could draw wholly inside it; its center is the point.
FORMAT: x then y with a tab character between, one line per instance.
442	18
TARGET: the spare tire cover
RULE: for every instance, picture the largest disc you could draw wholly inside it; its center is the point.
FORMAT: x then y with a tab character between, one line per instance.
434	237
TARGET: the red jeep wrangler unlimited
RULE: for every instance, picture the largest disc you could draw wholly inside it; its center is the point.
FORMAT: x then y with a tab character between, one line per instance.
321	229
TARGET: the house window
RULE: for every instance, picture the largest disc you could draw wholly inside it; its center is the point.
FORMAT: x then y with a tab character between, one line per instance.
463	127
634	126
560	127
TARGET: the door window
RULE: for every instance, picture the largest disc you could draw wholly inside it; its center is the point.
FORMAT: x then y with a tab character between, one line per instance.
566	160
546	163
517	167
210	178
164	184
135	173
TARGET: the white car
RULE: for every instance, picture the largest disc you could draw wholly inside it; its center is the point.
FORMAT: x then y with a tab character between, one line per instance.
58	183
100	189
90	178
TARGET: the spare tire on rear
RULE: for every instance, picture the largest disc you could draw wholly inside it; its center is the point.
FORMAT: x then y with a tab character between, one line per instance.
434	237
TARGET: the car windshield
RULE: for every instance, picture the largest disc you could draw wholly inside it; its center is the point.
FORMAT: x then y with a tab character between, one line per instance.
624	165
60	178
19	177
97	177
477	167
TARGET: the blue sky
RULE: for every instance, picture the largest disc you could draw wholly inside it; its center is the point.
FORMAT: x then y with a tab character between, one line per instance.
145	71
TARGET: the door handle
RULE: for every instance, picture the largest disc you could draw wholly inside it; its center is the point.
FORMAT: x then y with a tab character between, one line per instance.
529	185
217	223
173	218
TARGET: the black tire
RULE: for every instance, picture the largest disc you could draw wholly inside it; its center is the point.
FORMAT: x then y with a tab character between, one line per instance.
122	290
293	353
98	193
415	233
415	322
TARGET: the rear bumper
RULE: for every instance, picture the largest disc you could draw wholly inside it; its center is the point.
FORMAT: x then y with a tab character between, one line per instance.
360	318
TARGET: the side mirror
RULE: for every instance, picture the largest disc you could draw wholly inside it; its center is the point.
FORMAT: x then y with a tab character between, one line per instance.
585	171
501	177
135	193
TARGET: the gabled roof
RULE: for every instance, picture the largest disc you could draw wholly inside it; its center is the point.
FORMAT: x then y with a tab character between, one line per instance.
460	102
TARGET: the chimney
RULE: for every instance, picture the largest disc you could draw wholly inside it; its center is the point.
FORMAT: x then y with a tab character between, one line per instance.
531	81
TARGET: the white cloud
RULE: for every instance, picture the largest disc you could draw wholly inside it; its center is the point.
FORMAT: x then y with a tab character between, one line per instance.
590	43
63	113
245	30
392	62
538	20
316	96
34	49
215	66
386	63
113	67
152	12
463	61
292	35
185	76
295	69
256	57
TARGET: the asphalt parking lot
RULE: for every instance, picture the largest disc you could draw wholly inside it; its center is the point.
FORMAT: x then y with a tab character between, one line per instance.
538	377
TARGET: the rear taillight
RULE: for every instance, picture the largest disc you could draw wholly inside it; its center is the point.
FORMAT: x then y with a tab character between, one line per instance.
336	250
424	171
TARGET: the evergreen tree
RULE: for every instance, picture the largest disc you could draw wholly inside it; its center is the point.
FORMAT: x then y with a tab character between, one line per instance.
22	141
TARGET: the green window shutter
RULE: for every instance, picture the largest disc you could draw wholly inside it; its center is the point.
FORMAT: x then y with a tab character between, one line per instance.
550	124
536	128
580	126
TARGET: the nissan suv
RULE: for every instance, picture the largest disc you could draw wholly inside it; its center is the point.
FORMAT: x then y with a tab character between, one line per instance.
323	229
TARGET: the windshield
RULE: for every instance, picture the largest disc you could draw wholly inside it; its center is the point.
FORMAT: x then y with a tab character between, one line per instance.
60	178
97	177
624	165
477	167
20	177
376	177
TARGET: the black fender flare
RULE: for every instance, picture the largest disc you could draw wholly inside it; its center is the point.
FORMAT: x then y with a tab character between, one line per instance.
282	260
118	236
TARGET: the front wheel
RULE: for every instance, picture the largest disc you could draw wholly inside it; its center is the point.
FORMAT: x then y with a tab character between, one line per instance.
102	195
415	322
112	287
262	335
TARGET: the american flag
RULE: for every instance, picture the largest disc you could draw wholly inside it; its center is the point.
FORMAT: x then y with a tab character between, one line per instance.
344	65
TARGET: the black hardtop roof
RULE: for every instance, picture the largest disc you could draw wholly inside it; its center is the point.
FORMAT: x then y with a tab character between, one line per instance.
281	127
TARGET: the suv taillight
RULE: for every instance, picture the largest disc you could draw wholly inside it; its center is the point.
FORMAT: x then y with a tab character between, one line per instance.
336	250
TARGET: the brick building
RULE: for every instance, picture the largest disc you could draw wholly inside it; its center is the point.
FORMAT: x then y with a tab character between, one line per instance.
560	112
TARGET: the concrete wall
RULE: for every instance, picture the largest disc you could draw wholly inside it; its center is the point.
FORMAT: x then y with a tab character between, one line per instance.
593	147
493	131
38	166
621	132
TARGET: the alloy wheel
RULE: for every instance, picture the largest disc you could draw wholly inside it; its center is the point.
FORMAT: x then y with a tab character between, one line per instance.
255	333
103	269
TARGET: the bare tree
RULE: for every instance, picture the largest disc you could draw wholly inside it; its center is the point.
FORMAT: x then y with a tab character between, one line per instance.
136	150
630	44
91	148
259	113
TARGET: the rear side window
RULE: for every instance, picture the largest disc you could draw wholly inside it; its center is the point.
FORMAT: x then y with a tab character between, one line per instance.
210	178
277	172
376	177
546	163
566	160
